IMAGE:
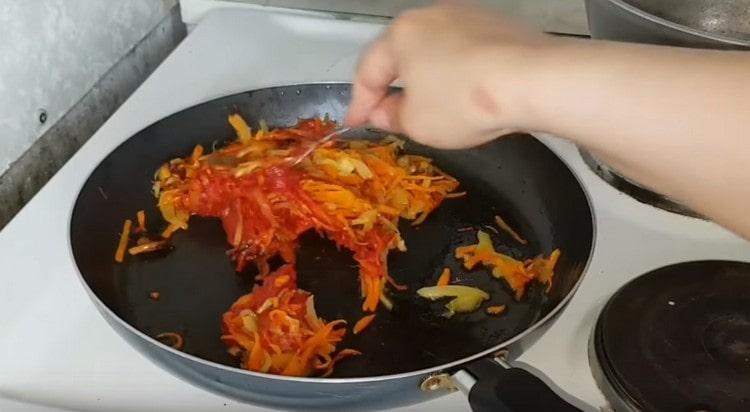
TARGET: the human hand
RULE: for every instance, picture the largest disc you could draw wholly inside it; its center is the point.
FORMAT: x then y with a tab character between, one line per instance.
463	70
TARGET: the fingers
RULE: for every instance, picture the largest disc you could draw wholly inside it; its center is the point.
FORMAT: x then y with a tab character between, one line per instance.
387	114
376	71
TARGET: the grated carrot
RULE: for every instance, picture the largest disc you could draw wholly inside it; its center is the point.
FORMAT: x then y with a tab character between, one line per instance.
506	227
281	280
148	247
123	243
167	233
515	272
363	323
141	217
495	310
445	278
197	153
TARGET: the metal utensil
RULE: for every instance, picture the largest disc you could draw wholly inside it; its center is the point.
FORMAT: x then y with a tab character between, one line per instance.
294	160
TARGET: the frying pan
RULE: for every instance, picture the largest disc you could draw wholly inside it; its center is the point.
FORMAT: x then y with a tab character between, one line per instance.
517	178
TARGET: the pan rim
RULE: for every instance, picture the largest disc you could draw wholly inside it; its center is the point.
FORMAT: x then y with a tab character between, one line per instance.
102	307
677	26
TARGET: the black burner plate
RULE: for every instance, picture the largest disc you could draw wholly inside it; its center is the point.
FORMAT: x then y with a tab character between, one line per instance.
678	339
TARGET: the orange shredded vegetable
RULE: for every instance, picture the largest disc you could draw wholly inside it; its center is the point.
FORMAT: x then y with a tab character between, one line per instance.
149	246
281	281
353	192
344	353
506	227
172	339
141	217
244	134
123	243
445	278
363	323
276	329
167	233
516	273
495	310
455	195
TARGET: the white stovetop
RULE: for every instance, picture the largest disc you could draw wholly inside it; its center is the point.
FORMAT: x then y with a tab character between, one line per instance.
56	351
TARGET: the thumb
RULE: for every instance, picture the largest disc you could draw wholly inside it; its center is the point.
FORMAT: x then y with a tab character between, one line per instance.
387	114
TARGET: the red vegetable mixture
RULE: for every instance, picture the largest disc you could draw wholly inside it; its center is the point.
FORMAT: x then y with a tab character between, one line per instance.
353	192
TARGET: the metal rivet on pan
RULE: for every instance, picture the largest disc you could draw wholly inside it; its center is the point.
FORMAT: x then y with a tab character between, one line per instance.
441	381
501	358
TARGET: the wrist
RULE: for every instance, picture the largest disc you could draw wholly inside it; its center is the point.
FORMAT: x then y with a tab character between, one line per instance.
520	79
543	85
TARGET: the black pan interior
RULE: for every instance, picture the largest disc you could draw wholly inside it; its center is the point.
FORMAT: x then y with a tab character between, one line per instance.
516	177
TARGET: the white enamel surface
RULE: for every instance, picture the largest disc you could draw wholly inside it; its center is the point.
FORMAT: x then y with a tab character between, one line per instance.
57	352
563	16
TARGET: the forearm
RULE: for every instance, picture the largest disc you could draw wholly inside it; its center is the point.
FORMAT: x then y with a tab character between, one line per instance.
673	119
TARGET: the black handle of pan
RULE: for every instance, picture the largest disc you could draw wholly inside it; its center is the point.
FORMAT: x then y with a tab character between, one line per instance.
501	388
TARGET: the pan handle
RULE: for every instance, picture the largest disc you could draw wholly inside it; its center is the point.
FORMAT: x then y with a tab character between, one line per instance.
494	386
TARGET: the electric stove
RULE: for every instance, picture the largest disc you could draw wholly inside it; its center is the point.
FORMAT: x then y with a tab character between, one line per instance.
56	351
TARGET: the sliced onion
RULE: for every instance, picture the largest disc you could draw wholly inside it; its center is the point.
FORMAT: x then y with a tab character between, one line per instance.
172	339
249	322
247	168
394	140
266	363
311	316
386	301
466	298
271	302
362	169
234	351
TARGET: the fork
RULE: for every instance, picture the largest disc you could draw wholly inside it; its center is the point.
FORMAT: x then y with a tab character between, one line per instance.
293	161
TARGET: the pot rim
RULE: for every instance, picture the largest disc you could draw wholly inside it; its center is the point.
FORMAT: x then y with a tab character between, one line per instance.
677	26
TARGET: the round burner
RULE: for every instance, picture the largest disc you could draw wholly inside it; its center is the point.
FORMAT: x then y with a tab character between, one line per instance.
677	339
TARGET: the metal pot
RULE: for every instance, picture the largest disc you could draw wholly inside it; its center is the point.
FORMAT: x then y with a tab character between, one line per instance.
714	24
